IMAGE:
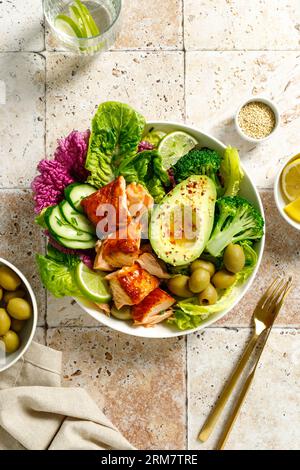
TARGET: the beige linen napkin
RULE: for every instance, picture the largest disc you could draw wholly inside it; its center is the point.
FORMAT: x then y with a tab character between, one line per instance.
36	413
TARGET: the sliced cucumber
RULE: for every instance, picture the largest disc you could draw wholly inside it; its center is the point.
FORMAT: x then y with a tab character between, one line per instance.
59	227
75	244
77	220
75	192
77	18
67	25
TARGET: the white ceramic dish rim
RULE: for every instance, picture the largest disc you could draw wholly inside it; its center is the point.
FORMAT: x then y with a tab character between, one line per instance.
24	348
279	201
275	110
171	332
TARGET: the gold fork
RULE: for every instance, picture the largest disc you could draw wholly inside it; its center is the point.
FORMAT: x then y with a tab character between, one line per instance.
263	318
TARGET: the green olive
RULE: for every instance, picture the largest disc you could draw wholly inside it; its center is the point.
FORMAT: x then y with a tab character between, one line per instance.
19	309
4	322
123	313
11	295
17	325
199	280
1	293
234	258
9	280
209	296
201	263
223	279
179	285
11	341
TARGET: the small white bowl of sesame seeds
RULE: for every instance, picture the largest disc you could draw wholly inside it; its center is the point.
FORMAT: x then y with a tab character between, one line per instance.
257	119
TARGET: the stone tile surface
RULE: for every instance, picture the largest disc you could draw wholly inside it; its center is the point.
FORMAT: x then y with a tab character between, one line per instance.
66	312
151	82
21	26
155	26
281	258
240	24
21	239
141	384
218	82
40	335
22	117
271	413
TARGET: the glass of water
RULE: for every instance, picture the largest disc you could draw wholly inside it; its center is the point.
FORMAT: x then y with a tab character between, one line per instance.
84	26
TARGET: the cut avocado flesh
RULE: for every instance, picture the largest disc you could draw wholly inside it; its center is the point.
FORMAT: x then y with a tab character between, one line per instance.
182	223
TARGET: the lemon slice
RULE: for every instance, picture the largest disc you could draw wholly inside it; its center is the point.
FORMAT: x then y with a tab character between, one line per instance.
293	210
290	180
173	146
92	284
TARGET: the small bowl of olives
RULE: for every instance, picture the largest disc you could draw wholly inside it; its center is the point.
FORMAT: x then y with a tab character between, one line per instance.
18	314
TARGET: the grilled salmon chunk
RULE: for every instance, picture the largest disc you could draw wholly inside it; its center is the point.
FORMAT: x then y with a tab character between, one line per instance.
149	311
139	200
123	247
100	263
110	202
130	285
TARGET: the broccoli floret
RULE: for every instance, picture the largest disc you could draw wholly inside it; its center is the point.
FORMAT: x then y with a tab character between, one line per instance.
198	161
237	220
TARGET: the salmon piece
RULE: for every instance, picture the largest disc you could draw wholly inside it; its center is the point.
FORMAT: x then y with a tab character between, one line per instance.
123	247
148	312
130	285
111	200
139	200
150	262
100	263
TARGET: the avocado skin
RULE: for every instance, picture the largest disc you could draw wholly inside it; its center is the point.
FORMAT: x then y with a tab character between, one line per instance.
197	194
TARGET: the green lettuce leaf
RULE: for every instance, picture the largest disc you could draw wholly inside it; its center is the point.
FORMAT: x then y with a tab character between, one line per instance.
116	132
146	168
57	272
231	172
250	261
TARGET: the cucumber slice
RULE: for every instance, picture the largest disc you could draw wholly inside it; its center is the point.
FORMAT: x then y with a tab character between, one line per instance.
75	244
59	227
88	18
77	18
75	192
68	26
77	220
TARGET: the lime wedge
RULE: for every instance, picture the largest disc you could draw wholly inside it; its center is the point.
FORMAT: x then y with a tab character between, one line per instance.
92	284
76	16
94	30
173	146
67	25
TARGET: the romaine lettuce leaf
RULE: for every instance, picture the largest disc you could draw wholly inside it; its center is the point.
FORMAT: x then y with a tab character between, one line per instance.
231	172
146	168
116	132
57	272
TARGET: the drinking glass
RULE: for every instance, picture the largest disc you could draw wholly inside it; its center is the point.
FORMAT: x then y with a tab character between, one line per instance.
106	14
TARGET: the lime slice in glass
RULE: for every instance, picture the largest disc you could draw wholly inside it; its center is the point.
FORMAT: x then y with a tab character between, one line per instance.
67	25
92	284
173	146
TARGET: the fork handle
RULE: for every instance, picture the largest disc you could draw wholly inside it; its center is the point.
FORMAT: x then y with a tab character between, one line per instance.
213	417
232	419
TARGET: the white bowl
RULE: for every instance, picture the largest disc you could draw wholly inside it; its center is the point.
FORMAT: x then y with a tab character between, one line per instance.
27	333
162	330
279	199
262	100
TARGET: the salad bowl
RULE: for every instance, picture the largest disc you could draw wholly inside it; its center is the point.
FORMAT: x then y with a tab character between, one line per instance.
162	330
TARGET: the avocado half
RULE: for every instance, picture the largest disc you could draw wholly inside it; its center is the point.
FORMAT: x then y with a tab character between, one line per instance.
181	224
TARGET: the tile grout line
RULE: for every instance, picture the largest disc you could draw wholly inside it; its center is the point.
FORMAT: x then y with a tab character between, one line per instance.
174	50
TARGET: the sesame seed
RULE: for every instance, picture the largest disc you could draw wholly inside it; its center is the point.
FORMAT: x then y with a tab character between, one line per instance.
256	119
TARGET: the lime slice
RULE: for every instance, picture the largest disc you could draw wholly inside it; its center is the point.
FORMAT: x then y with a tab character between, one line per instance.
67	25
92	284
77	18
88	18
173	146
